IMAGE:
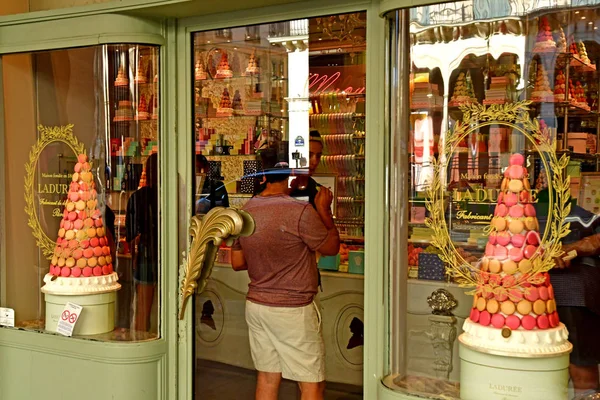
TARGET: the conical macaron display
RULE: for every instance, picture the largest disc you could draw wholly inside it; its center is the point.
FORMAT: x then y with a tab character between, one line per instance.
82	248
505	296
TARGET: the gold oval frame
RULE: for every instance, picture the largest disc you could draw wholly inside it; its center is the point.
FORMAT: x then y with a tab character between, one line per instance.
48	135
516	116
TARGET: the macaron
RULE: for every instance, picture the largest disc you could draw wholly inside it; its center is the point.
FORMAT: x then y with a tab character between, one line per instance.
76	272
516	159
499	223
101	261
74	196
509	281
89	252
85	244
515	185
94	242
82	158
550	305
532	294
526	184
97	271
554	320
524	197
500	198
97	251
81	262
70	234
513	322
70	262
492	306
515	295
80	235
497	321
98	223
75	176
69	207
61	232
492	238
72	216
91	204
105	250
88	223
543	293
529	210
489	249
509	267
531	223
100	231
524	307
504	184
528	322
74	186
539	307
485	318
529	251
78	224
84	187
516	226
91	232
516	211
508	307
65	271
77	167
550	293
87	271
77	254
92	261
510	199
102	241
501	210
500	296
108	259
543	322
503	238
515	254
515	172
481	304
107	270
85	196
525	265
500	252
86	166
494	266
518	240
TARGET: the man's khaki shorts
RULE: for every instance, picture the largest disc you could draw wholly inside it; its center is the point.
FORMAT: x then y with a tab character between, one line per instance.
287	340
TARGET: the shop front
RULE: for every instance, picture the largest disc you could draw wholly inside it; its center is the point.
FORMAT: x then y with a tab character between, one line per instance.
125	125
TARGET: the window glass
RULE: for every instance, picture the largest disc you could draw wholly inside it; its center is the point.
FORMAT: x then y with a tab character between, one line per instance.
465	55
81	148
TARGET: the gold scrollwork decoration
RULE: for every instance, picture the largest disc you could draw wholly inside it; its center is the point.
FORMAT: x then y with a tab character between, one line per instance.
514	116
208	233
48	135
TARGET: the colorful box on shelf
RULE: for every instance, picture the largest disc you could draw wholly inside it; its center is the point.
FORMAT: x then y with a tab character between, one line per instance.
581	142
574	169
329	263
575	187
356	262
431	267
417	215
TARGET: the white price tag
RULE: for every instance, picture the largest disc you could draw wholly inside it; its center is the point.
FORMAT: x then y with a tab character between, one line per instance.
7	317
68	319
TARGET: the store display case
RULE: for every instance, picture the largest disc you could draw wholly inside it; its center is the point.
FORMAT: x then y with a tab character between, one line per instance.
460	62
97	125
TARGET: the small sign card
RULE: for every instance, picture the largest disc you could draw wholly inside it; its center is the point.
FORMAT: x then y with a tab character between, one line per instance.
68	319
7	317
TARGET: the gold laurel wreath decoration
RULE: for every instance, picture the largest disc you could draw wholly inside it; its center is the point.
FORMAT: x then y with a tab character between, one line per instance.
516	116
48	135
208	233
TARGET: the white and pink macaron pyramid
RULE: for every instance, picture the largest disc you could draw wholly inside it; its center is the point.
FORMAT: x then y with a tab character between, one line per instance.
82	248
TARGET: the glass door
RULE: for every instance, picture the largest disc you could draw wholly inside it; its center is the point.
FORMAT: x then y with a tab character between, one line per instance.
294	90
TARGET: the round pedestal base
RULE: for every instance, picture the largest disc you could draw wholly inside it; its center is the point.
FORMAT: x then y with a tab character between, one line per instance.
498	377
97	316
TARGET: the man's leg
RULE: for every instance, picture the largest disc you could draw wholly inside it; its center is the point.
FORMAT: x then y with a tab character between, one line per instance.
584	378
267	385
312	390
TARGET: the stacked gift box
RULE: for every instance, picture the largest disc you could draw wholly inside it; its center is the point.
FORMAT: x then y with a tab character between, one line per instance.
431	267
499	91
128	147
425	95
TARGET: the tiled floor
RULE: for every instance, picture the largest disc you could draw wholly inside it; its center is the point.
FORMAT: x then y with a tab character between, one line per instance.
217	381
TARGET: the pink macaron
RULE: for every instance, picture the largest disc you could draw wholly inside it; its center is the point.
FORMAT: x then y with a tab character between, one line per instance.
87	271
72	216
532	294
532	238
106	270
73	196
501	198
515	254
516	211
501	210
489	249
543	293
513	322
97	271
492	238
94	242
516	159
485	318
510	199
503	238
528	322
498	321
509	281
515	295
553	319
65	271
76	272
524	197
530	210
500	252
501	296
518	240
543	322
78	224
515	172
82	158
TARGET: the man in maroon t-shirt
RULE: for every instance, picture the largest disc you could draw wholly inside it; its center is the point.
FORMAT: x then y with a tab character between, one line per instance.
283	321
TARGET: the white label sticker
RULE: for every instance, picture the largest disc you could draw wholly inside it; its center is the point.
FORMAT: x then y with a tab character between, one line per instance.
7	317
68	319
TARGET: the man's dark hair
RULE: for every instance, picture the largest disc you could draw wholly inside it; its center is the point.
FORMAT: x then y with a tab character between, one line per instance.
273	169
315	136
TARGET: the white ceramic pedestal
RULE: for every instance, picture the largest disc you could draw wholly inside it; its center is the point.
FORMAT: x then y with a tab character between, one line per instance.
97	316
502	377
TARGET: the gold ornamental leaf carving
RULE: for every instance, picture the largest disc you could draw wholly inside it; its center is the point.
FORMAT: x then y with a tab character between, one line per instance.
208	233
47	136
514	116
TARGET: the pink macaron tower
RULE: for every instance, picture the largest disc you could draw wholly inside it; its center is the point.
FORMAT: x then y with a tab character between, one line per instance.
82	248
509	256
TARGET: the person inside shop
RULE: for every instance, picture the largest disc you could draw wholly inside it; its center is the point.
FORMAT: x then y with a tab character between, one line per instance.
576	284
304	186
285	330
214	192
141	227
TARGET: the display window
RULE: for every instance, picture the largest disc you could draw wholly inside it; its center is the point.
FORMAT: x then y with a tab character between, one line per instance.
81	173
488	85
291	93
